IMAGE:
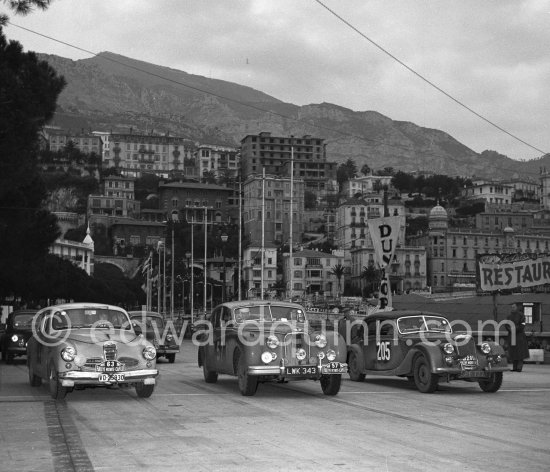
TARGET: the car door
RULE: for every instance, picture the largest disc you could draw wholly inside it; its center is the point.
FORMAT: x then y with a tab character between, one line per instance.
389	351
41	343
369	345
213	348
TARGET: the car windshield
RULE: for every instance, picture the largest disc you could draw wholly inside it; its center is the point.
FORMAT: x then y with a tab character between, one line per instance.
23	320
151	322
269	313
415	324
89	317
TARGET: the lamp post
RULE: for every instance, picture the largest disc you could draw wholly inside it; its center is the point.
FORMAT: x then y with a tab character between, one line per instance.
224	240
187	255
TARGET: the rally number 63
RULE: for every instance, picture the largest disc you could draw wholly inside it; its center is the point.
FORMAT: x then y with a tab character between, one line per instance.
383	351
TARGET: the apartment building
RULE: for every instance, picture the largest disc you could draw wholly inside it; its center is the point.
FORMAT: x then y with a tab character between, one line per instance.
218	159
277	154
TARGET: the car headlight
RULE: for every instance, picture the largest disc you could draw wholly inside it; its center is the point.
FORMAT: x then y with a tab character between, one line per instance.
300	354
267	357
272	342
331	355
149	353
169	338
320	340
68	353
14	338
448	348
485	348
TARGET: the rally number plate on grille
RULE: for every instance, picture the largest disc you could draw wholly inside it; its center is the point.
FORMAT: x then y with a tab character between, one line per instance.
109	366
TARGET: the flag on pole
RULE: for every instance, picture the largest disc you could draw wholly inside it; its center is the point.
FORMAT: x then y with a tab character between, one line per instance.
146	264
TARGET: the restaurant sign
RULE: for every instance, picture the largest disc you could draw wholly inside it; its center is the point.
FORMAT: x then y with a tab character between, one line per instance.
509	271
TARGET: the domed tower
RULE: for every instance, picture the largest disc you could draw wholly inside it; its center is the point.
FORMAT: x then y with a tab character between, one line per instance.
438	219
438	225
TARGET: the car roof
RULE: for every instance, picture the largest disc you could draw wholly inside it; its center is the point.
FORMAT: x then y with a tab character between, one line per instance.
248	303
83	305
135	313
393	315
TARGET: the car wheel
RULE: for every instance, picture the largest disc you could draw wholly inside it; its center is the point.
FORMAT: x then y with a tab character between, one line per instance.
210	376
143	390
57	391
331	384
171	358
248	384
354	371
34	380
492	384
424	379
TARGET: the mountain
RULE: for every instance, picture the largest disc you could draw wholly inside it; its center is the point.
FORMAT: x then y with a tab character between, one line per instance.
112	92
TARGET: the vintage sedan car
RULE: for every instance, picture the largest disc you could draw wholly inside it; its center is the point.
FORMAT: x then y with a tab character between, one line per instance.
13	341
260	341
151	324
422	347
78	345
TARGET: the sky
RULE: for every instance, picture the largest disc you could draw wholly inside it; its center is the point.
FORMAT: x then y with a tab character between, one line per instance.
476	69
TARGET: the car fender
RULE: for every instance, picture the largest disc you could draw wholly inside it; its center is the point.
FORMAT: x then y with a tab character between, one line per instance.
496	349
358	354
431	352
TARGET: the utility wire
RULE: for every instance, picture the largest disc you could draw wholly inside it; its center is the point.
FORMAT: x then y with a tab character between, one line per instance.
429	82
274	113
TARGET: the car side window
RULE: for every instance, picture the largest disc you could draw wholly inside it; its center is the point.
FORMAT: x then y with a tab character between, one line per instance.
226	314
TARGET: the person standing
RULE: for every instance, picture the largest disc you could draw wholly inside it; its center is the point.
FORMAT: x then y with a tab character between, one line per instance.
517	340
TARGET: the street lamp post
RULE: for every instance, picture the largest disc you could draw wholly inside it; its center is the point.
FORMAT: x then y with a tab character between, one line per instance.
224	240
187	255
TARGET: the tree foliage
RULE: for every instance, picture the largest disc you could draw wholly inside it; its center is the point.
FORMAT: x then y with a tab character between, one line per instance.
28	92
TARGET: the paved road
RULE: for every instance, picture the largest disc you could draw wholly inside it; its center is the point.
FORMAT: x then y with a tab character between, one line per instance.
382	424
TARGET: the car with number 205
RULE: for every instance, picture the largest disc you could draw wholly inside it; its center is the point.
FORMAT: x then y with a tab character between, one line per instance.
261	341
422	347
78	345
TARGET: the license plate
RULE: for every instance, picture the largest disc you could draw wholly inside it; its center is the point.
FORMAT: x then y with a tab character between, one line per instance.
301	370
111	377
335	368
109	366
474	373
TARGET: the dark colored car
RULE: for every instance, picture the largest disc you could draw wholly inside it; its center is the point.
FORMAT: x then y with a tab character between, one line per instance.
151	324
260	341
422	347
79	345
13	341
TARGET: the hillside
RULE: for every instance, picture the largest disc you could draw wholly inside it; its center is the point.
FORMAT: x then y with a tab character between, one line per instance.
112	92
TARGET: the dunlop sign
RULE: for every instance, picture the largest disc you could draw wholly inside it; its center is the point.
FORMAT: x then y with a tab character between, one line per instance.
384	233
508	271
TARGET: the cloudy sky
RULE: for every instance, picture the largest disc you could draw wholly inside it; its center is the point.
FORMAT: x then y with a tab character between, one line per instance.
493	56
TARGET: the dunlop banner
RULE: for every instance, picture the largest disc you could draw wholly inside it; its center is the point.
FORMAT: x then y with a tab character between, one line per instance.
509	271
384	233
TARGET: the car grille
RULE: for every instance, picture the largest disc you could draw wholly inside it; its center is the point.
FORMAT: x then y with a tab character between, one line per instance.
293	342
467	354
110	351
129	362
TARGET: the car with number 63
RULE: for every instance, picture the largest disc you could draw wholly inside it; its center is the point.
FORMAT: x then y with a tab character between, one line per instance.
79	345
422	347
260	341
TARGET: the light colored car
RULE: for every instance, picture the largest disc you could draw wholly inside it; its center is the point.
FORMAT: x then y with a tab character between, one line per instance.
78	345
260	341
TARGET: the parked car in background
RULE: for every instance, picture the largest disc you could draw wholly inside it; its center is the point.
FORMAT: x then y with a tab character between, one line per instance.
422	347
78	345
260	341
151	324
18	330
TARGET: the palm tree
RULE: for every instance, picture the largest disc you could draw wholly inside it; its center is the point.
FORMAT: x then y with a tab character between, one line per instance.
338	271
371	275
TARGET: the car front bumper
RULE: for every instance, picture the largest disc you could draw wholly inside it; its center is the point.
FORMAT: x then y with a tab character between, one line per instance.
279	371
472	373
74	377
167	350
